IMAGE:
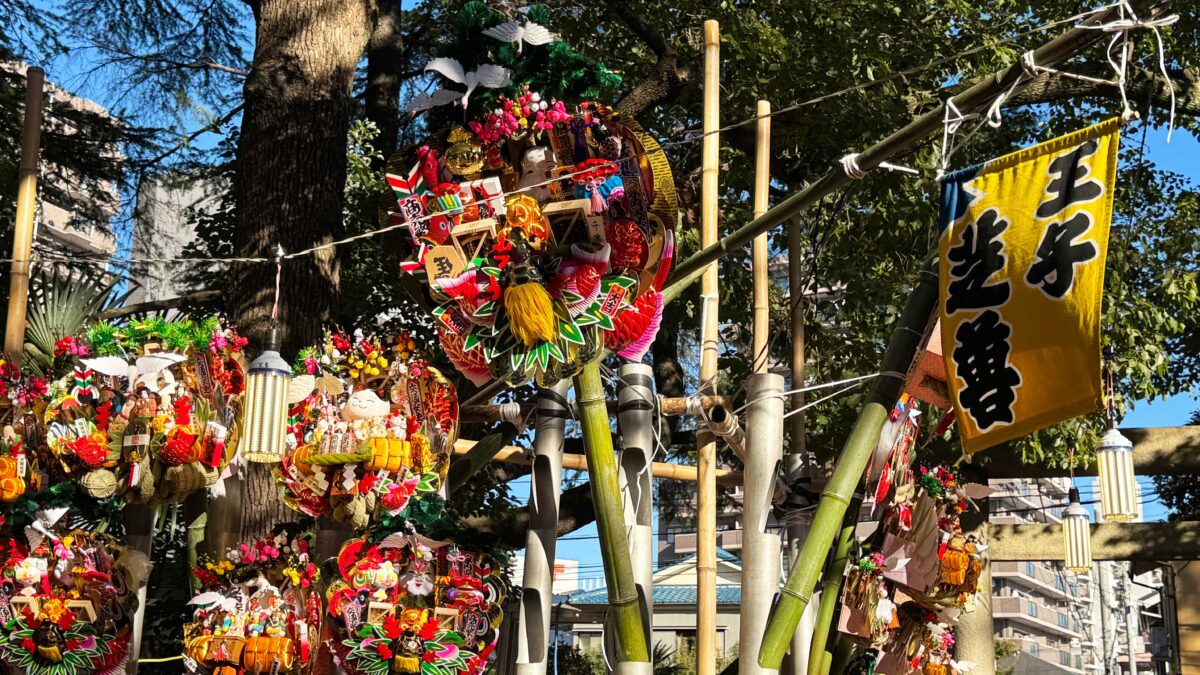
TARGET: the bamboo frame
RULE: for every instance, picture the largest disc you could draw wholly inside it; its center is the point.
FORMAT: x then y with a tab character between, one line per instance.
662	470
762	196
670	407
22	249
820	652
626	616
706	485
635	417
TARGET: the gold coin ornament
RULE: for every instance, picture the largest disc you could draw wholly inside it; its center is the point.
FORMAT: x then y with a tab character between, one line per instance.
544	234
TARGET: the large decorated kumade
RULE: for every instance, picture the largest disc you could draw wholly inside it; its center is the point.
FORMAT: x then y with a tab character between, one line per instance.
542	234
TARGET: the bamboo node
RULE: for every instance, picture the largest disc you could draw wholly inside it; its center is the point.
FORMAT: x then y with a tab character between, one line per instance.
795	594
836	497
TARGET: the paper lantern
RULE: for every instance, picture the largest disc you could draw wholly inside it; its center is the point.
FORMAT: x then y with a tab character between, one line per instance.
264	408
1077	536
1118	486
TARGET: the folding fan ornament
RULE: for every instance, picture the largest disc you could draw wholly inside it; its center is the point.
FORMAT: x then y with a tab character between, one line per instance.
67	600
544	235
371	430
258	610
409	604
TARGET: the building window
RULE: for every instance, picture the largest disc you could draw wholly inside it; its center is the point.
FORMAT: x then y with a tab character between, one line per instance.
1028	569
1062	620
1064	658
1060	584
1034	648
1031	608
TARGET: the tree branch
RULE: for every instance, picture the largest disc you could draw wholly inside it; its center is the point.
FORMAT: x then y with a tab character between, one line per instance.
668	75
574	512
1143	84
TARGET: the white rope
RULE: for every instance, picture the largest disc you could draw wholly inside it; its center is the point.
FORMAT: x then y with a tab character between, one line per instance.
801	390
695	407
511	413
806	406
850	166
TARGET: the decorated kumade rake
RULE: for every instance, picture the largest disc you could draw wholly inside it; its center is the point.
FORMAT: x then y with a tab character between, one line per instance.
258	610
66	600
412	605
543	235
371	431
146	413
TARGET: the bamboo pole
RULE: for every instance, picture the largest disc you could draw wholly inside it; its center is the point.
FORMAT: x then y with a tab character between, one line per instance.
760	548
762	196
22	248
906	139
634	419
820	653
513	455
706	486
545	484
974	635
606	497
885	389
669	407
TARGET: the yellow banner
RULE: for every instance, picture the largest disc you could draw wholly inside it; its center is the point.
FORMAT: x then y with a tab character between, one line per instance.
1021	276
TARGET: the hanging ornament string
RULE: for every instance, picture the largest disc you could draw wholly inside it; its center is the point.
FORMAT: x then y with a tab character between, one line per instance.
1110	407
1130	21
278	279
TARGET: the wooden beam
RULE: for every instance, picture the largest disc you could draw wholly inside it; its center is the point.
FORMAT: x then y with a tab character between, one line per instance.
671	407
513	455
1110	541
1157	451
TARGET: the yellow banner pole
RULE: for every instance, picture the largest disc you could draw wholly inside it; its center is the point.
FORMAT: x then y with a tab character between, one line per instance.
762	198
22	249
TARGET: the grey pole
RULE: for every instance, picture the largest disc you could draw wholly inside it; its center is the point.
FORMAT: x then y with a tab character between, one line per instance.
760	548
636	405
545	484
1132	621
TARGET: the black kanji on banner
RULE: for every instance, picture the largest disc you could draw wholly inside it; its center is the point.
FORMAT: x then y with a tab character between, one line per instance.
1053	268
974	261
1068	185
989	381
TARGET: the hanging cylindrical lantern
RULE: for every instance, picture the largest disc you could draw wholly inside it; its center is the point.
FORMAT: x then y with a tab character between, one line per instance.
264	408
1118	485
1077	535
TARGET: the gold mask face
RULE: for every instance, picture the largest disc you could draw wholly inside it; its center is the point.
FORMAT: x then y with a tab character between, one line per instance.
463	158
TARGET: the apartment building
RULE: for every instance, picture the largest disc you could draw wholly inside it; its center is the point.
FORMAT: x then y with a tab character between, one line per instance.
74	213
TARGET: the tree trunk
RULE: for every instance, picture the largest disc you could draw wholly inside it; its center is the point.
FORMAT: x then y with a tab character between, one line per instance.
385	58
291	174
291	160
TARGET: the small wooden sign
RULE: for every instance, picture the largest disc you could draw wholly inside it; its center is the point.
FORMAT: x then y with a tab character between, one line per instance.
444	262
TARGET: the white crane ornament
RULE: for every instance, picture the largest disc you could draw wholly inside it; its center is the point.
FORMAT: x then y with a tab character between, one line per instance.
490	76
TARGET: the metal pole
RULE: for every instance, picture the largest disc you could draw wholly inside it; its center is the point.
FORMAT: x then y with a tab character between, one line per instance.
545	485
1106	619
22	249
635	417
1132	621
762	196
706	485
760	548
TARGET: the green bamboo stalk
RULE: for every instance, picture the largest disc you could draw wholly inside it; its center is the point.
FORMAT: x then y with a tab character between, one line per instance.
906	340
820	655
843	653
610	516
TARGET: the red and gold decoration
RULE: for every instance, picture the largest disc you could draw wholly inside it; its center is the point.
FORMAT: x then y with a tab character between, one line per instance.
258	610
411	605
544	234
66	600
371	427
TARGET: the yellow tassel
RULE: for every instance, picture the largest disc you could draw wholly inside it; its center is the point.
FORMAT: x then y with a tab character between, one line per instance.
530	313
406	664
52	654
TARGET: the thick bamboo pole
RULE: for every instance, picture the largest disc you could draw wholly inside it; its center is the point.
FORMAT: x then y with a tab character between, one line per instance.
139	535
706	486
905	140
847	473
974	635
760	548
606	497
545	484
22	249
762	196
635	418
820	654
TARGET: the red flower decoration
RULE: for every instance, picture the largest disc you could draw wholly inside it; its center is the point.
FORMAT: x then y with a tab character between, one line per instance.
384	651
429	630
392	627
29	645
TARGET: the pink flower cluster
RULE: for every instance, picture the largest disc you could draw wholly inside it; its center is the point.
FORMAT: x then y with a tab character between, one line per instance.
512	117
69	345
226	339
